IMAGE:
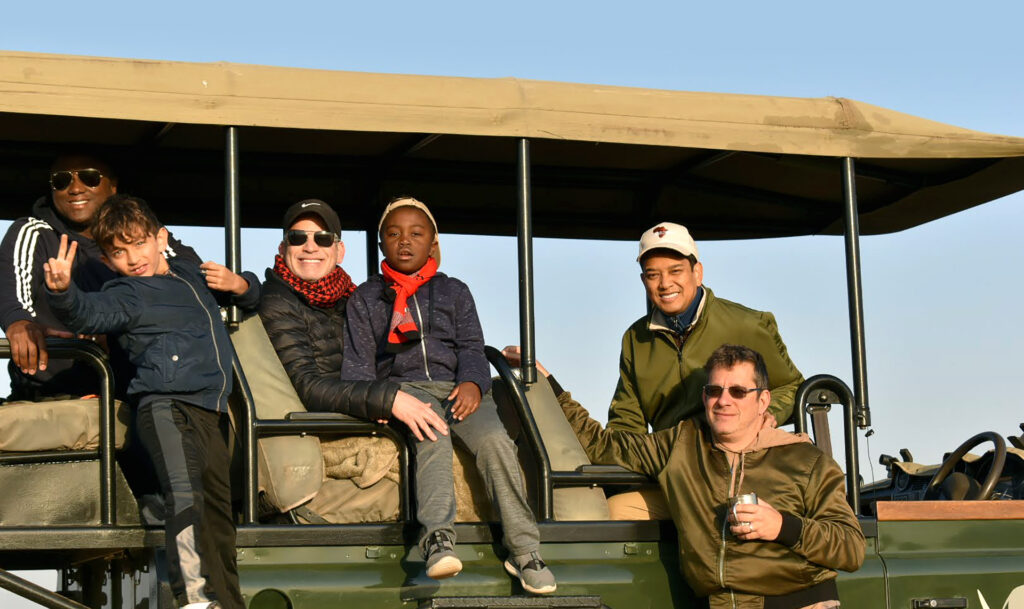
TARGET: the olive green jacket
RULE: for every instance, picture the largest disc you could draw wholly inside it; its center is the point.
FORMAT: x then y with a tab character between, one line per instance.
820	532
661	377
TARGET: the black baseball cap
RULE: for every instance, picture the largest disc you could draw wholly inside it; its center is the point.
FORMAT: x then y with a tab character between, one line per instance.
314	207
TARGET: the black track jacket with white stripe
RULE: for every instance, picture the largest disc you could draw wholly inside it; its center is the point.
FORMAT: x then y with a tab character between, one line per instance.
30	242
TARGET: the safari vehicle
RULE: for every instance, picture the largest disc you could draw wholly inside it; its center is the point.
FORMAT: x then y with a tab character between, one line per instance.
549	159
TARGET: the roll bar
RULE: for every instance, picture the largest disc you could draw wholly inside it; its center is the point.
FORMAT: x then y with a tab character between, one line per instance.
821	390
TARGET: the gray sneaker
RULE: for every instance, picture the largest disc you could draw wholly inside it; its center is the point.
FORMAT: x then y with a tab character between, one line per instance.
442	562
533	574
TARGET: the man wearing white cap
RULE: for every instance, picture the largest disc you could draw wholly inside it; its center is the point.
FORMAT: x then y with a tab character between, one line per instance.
661	374
661	366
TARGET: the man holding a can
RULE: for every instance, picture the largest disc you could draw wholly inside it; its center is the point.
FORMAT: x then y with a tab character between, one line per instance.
761	513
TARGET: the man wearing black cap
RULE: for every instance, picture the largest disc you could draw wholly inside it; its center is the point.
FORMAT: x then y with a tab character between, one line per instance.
303	311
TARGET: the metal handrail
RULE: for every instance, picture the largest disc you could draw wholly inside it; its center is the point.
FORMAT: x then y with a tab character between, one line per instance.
92	354
824	385
35	593
521	403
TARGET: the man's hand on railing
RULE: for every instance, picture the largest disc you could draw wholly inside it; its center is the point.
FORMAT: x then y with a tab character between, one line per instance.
28	344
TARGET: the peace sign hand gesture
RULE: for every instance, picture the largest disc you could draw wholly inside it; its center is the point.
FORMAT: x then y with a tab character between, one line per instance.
58	270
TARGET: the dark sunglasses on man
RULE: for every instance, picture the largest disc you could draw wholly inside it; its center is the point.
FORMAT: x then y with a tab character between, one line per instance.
91	178
323	238
737	392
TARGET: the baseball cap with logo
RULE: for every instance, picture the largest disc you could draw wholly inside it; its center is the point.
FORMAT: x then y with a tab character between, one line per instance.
314	207
670	236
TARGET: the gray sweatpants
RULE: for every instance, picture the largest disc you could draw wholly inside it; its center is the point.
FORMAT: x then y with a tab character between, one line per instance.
484	436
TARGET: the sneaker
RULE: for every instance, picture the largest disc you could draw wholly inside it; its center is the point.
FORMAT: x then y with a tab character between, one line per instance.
533	574
442	562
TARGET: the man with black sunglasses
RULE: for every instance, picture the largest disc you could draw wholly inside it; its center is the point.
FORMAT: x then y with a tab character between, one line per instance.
303	310
761	514
79	183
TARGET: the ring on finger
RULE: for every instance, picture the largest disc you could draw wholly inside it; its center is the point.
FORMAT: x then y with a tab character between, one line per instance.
751	525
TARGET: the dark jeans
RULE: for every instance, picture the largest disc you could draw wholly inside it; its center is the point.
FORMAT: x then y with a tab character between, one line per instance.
190	454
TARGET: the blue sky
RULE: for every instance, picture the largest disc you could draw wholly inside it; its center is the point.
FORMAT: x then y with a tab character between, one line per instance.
943	325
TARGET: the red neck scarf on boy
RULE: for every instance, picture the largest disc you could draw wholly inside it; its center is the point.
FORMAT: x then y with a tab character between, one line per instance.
403	328
323	293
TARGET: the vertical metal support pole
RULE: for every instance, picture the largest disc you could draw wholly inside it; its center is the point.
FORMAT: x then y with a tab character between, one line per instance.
524	226
232	226
860	369
108	477
372	252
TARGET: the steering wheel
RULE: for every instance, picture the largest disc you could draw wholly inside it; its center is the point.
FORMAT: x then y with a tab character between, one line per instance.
985	490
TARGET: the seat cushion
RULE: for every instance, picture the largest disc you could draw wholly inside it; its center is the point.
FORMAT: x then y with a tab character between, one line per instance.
58	425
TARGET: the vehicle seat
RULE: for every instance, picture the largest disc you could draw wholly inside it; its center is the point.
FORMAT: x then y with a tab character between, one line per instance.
330	479
563	448
291	470
48	467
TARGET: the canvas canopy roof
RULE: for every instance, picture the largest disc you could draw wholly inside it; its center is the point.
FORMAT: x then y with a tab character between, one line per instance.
606	161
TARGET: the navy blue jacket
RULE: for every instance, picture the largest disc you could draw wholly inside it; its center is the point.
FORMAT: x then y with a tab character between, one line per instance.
30	242
452	347
170	327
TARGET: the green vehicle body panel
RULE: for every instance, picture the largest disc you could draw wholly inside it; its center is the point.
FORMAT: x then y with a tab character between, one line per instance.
624	574
866	586
953	559
906	561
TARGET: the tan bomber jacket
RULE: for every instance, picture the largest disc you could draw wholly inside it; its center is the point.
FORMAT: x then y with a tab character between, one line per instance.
795	478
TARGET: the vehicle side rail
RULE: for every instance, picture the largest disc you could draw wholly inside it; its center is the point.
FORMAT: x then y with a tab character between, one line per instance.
302	423
92	354
399	533
587	475
812	396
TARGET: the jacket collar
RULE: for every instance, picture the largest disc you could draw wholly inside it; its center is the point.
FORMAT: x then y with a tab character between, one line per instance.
659	322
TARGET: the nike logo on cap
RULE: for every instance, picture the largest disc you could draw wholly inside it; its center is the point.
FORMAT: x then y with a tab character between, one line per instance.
305	205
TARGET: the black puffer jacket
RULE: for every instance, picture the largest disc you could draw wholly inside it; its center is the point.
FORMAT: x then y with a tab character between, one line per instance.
309	340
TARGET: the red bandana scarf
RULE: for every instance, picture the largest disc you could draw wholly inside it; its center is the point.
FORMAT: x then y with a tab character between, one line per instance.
403	328
324	293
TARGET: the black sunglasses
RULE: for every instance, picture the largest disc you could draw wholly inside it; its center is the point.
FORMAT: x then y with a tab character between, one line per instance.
323	238
59	180
737	392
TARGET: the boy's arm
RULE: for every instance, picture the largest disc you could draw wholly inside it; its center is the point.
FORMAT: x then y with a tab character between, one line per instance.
359	356
108	311
643	453
469	342
230	288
